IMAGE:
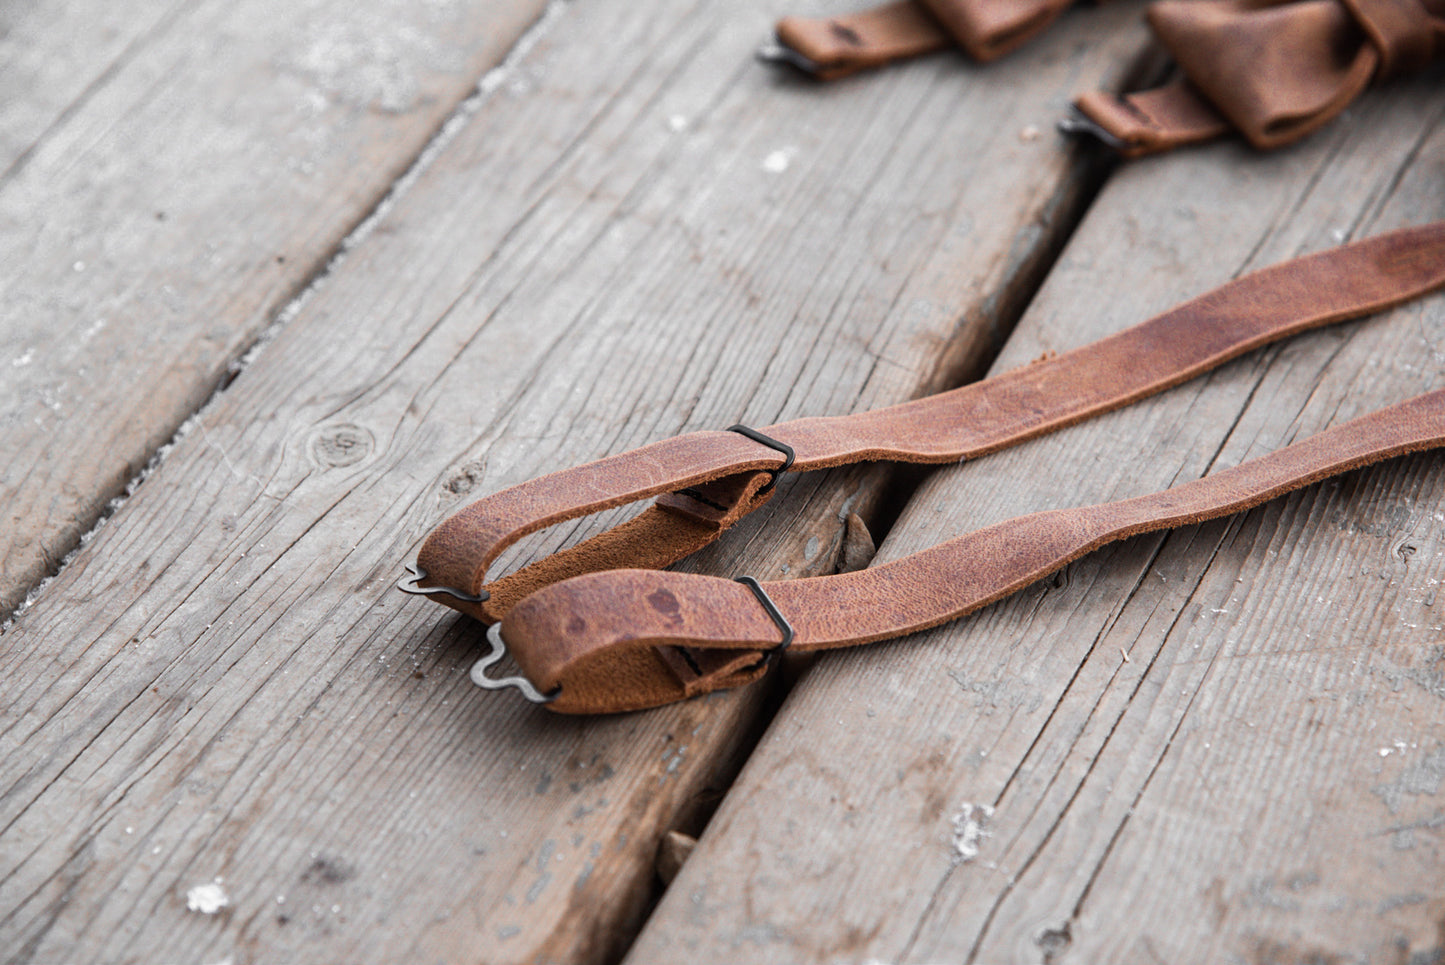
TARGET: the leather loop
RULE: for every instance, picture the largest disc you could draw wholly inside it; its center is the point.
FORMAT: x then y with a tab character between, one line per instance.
727	474
1399	30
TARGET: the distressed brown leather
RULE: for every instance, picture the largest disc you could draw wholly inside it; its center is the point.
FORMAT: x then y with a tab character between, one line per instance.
834	47
602	641
986	29
725	475
1274	70
616	637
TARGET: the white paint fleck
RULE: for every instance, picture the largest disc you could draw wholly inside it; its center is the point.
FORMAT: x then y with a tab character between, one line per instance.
1029	133
79	266
778	161
208	898
970	827
677	123
24	359
1384	752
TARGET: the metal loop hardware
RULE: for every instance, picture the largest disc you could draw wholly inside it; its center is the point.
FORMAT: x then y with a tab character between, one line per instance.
411	584
771	443
498	651
777	52
1077	123
773	611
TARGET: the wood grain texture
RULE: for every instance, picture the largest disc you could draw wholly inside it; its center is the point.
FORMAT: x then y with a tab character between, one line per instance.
1220	745
170	176
629	239
53	54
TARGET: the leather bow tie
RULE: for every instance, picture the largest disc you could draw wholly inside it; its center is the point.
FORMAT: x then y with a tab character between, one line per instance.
1275	70
599	628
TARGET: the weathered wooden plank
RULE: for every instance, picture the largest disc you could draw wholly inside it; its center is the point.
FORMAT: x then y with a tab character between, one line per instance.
629	239
170	176
52	54
1183	748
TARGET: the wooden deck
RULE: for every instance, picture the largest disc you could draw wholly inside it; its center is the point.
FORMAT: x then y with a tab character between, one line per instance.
294	281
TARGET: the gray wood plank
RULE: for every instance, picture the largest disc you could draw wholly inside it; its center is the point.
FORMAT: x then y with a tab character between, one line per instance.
1180	749
629	239
53	54
172	176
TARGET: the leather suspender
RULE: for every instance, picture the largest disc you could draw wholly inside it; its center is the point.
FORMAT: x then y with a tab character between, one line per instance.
633	638
1275	70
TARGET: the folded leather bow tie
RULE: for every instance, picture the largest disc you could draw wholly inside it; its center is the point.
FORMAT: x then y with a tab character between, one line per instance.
1274	70
594	641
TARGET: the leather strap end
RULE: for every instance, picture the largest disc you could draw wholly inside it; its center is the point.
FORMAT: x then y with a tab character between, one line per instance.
1151	121
835	47
632	639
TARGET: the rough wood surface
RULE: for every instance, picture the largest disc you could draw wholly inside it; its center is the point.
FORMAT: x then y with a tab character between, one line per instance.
629	239
1221	745
53	54
170	176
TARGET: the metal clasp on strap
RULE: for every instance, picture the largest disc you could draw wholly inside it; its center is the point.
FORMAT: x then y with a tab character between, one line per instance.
777	52
498	651
411	584
771	443
774	612
1077	123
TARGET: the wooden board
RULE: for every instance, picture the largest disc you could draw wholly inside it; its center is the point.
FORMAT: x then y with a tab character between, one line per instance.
627	240
170	177
52	55
1220	745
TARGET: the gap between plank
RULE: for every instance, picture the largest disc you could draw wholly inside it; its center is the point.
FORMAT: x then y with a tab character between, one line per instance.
489	83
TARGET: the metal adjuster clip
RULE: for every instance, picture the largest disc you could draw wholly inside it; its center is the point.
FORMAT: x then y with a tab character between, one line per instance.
774	612
498	651
1077	123
771	443
777	52
411	584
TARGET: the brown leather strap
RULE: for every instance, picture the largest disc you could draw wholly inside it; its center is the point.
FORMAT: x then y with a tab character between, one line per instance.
833	47
1275	70
706	481
631	639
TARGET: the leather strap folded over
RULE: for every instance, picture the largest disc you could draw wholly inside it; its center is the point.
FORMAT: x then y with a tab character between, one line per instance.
631	639
706	481
833	47
1274	70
